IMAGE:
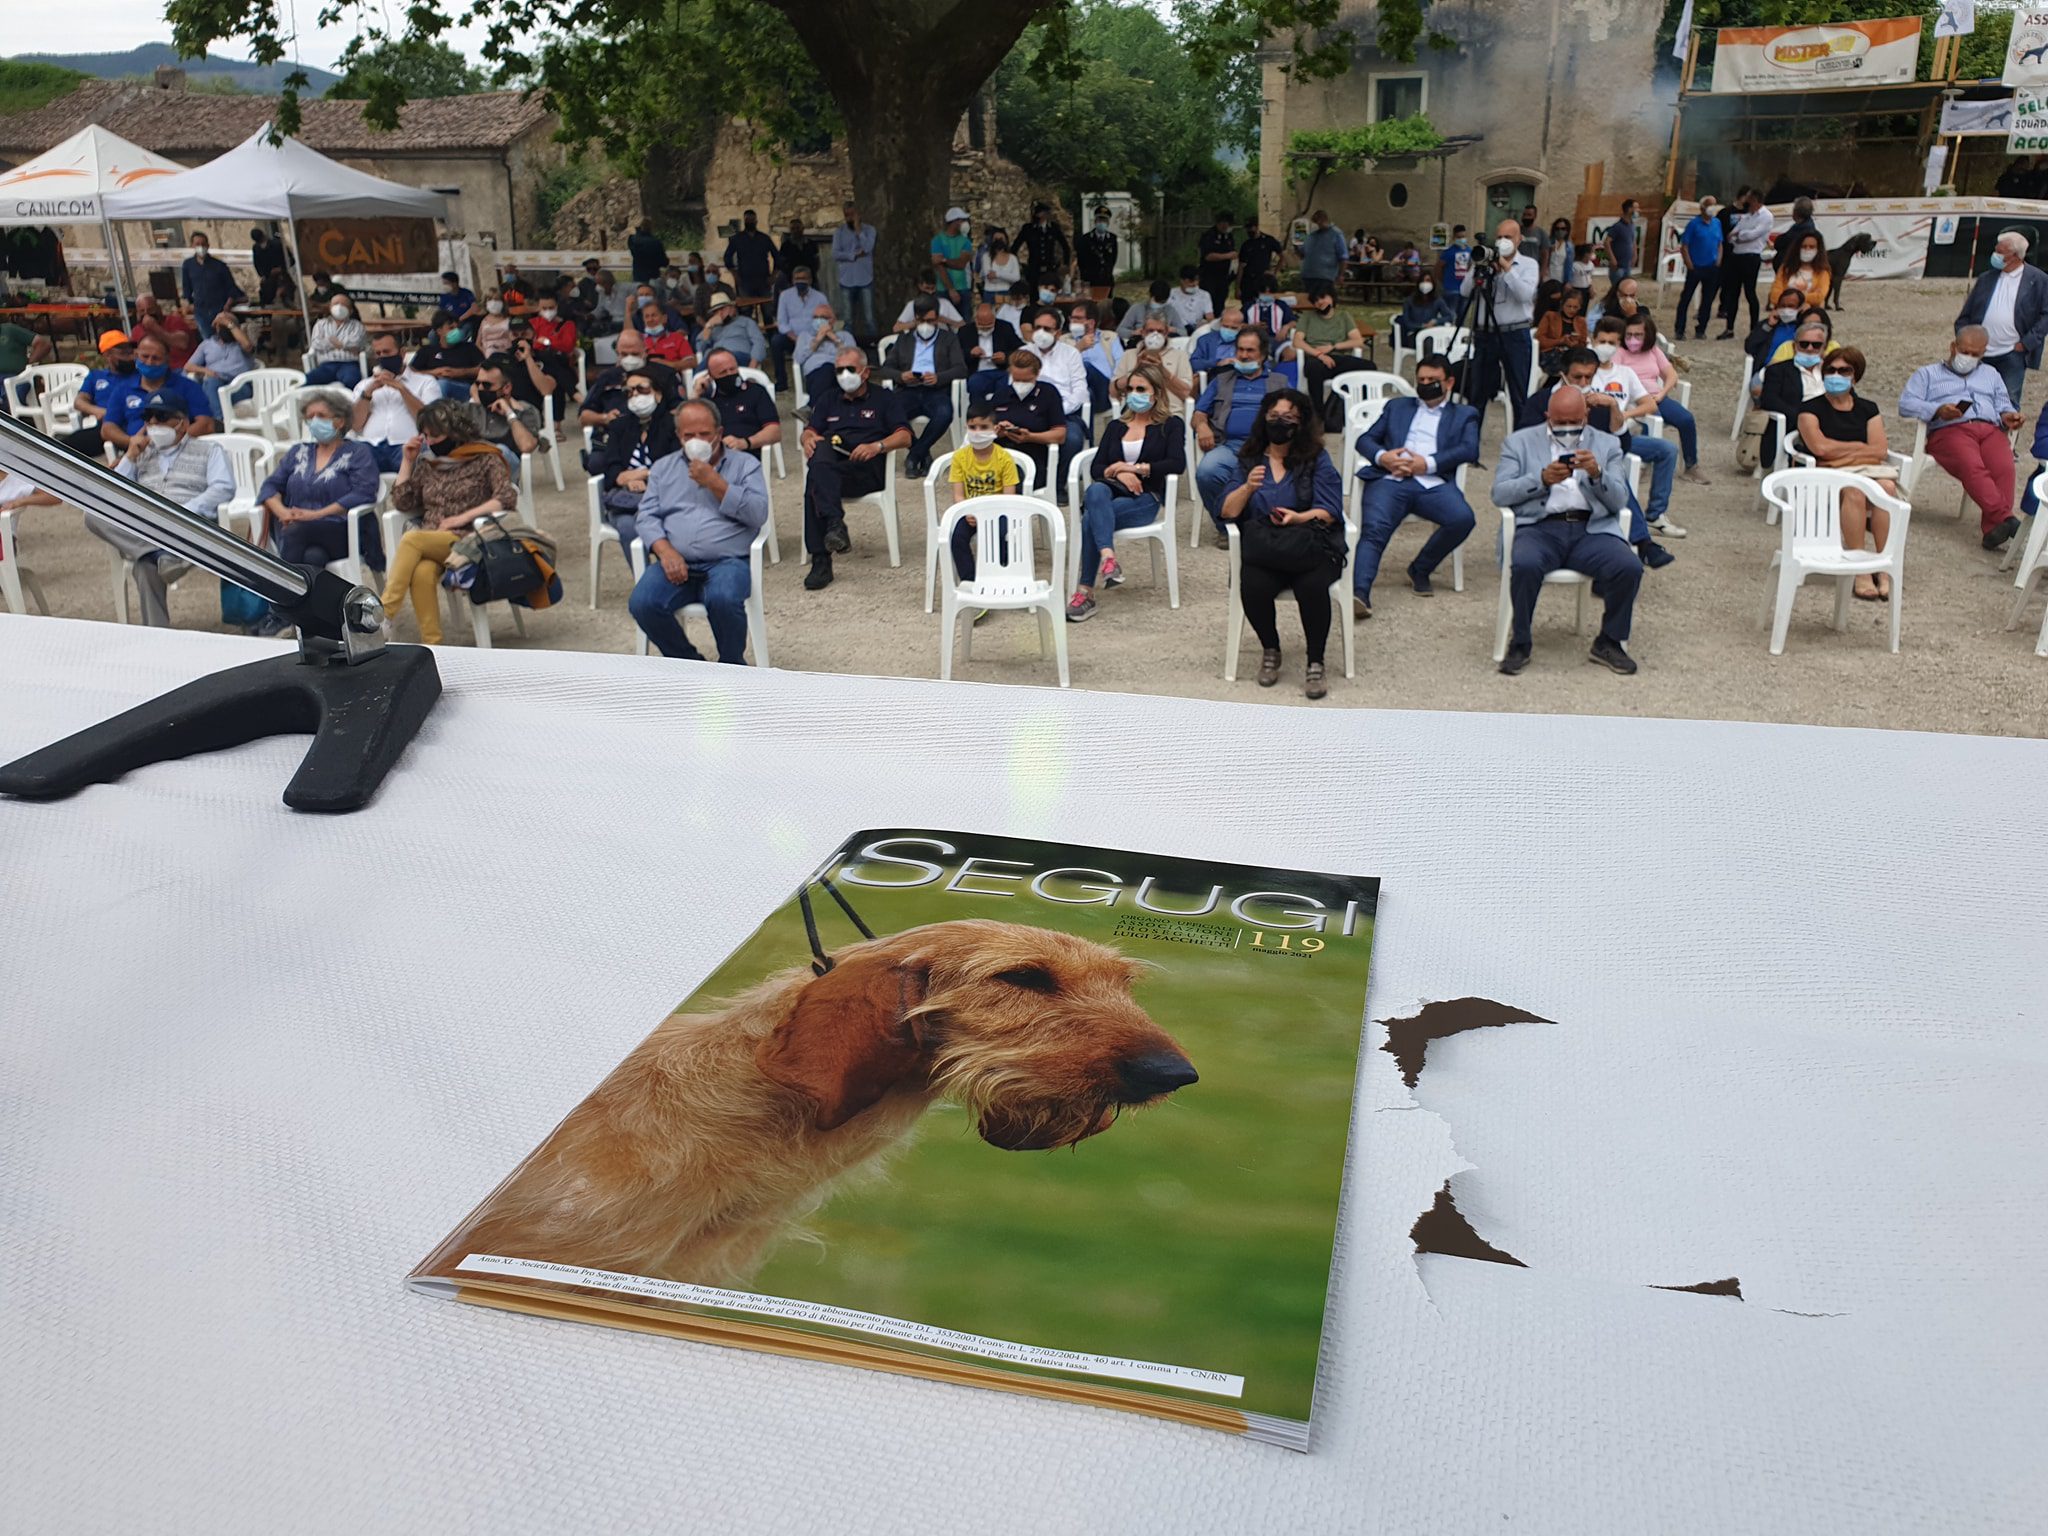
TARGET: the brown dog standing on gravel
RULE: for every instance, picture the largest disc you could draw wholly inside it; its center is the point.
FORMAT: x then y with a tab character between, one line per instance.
722	1129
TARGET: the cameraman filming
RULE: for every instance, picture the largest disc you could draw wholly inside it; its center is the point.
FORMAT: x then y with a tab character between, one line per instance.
1502	302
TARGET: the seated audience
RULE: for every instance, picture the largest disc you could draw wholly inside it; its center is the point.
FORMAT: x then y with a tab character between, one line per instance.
606	400
852	430
153	377
528	377
1160	303
820	346
923	363
1325	337
982	467
509	424
513	287
1274	315
1566	486
1191	305
1031	415
628	448
1225	413
336	349
1060	366
221	359
387	403
1620	387
20	349
1216	346
1771	341
451	359
794	307
1408	462
985	348
1100	351
447	478
1788	384
1968	414
1606	389
493	330
1152	349
745	409
667	343
165	454
698	519
456	303
1559	330
110	380
312	486
1287	501
1127	480
171	327
556	344
1424	307
1001	274
928	288
1842	430
1801	271
1650	364
725	326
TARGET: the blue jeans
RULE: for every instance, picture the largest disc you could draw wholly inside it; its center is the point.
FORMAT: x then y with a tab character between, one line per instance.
1661	454
1680	420
455	389
2012	368
721	586
349	374
389	456
860	309
1098	390
1077	439
781	348
221	393
1103	512
934	402
1213	475
1387	502
984	384
1556	545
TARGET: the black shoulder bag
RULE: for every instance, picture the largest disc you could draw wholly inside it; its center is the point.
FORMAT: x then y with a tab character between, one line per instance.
1295	548
505	568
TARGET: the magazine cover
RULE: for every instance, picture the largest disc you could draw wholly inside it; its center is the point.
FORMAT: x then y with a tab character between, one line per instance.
1015	1114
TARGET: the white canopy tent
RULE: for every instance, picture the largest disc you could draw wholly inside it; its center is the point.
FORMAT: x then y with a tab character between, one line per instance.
69	185
261	180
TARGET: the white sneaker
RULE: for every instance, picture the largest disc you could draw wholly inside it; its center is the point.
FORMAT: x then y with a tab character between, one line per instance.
1668	528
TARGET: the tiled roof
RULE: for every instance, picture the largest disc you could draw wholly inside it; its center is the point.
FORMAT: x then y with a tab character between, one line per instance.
195	125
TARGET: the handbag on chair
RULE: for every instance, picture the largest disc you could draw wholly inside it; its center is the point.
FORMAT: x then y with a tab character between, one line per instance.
506	568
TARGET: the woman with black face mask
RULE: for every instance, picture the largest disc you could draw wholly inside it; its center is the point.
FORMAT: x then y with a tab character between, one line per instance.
447	479
1285	507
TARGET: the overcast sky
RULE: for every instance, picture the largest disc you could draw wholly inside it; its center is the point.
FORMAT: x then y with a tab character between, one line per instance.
114	26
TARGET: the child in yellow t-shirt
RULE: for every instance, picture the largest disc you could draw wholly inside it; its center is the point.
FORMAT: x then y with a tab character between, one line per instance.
982	468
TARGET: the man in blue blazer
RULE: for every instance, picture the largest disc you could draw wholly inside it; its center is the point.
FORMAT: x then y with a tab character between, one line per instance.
1408	459
2011	303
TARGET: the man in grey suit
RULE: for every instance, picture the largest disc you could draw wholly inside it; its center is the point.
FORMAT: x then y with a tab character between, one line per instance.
2011	303
1567	485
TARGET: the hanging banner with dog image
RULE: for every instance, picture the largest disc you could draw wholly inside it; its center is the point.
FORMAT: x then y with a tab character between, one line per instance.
1012	1114
2026	54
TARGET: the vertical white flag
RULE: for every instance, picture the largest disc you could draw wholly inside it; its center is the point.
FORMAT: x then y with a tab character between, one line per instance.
1684	37
1958	18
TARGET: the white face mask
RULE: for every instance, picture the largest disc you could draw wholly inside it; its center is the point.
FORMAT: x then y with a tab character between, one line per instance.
1604	350
849	379
1042	338
547	314
979	438
1425	289
1077	329
1964	362
339	311
162	437
1154	342
1022	387
698	450
495	306
1505	246
641	405
632	362
926	330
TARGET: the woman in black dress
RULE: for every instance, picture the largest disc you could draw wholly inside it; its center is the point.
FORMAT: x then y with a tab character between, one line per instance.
1843	430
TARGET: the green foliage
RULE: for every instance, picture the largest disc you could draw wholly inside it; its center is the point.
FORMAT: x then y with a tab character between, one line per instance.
1357	148
388	75
26	85
557	186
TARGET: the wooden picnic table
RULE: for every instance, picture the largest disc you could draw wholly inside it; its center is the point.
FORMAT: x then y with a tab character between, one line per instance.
81	316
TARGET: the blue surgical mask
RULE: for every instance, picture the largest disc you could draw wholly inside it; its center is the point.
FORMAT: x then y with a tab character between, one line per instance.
1806	359
321	430
1838	383
151	372
1997	262
1226	333
1245	366
1138	404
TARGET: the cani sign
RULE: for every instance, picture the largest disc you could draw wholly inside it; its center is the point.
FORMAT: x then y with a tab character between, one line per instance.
368	245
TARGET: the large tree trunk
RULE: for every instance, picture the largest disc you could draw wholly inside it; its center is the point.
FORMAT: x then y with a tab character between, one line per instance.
901	72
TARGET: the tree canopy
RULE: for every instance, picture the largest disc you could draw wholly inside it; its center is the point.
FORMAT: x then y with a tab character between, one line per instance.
393	72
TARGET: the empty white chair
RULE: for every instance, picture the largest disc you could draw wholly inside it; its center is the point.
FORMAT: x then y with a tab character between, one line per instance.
938	478
548	447
757	608
1446	341
251	458
602	535
1158	533
1005	526
883	501
43	395
1235	622
2033	565
1368	385
1811	545
270	409
959	438
14	577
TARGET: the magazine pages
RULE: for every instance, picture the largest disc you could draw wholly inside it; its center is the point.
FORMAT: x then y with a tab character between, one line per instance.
1013	1114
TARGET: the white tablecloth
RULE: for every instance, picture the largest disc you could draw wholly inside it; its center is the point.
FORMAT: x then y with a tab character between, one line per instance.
254	1064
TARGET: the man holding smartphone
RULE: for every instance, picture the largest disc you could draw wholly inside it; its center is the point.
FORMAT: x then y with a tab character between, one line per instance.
1968	414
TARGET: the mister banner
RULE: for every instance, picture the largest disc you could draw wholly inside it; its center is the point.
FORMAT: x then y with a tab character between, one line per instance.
1750	60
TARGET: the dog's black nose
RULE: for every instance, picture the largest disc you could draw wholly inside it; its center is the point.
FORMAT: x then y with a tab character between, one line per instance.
1155	1072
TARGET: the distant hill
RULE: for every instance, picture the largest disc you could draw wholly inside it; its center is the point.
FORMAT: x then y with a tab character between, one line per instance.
261	79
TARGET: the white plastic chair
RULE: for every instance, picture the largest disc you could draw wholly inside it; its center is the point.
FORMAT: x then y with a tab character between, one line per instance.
548	446
2033	565
1792	450
14	576
1743	404
452	602
1352	388
959	441
2030	531
270	409
1919	460
1811	545
884	501
1670	268
1340	602
251	458
352	565
939	476
1011	585
1447	341
1505	614
1158	532
773	450
757	609
43	395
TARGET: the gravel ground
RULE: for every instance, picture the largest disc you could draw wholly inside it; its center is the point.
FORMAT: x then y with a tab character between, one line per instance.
1698	635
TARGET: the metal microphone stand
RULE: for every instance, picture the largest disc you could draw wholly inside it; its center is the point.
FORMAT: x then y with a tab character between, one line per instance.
361	699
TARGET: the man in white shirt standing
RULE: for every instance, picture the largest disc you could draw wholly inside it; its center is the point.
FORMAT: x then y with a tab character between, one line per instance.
2011	303
1502	348
1060	366
388	403
1749	237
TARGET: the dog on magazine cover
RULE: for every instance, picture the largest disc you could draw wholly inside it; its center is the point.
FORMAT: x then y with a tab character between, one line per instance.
723	1129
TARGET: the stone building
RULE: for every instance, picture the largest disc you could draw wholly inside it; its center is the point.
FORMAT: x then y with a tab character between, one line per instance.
486	153
1548	87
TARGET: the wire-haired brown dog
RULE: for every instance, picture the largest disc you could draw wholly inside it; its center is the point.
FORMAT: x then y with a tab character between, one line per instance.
723	1128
